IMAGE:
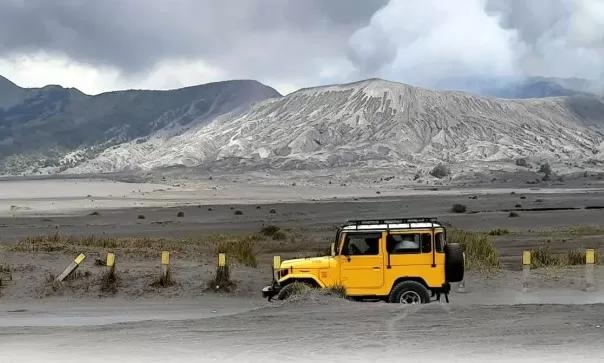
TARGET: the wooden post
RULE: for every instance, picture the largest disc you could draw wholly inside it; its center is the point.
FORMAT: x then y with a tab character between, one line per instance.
71	268
590	260
526	269
165	265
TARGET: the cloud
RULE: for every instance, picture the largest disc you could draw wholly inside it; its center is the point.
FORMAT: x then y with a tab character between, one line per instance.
432	39
112	44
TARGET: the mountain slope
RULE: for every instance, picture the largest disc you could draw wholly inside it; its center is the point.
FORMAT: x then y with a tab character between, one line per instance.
38	127
374	123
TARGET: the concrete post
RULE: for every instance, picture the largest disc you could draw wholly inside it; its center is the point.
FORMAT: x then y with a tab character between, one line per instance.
526	269
590	260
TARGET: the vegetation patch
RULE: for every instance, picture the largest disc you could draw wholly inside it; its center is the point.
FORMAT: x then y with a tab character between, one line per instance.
458	208
479	248
269	230
241	250
222	280
440	171
498	232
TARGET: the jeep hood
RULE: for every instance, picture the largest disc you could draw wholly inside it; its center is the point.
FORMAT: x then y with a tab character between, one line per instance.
307	263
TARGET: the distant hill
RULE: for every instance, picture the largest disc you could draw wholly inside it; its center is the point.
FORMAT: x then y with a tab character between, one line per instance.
376	124
56	127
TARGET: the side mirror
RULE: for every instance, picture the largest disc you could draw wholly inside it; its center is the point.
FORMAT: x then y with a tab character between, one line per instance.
332	249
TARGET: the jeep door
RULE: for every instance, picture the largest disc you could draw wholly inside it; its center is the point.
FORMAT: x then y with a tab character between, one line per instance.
361	261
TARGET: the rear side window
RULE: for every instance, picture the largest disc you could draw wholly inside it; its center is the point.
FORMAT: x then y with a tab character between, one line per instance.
439	242
408	243
359	244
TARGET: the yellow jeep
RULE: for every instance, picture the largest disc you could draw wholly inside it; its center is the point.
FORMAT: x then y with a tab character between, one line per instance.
402	260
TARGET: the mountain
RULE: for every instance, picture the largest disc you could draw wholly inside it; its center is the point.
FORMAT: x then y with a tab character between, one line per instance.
530	87
375	123
55	127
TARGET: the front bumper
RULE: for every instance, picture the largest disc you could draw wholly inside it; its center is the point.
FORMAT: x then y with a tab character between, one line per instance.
270	291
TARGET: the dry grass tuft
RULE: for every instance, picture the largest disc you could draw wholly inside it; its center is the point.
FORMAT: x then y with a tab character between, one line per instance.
241	250
498	232
109	282
480	250
164	280
222	280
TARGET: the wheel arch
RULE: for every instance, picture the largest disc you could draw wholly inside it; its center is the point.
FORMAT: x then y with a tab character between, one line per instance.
311	280
409	278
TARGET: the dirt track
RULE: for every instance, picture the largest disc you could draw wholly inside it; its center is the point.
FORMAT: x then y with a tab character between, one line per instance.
327	331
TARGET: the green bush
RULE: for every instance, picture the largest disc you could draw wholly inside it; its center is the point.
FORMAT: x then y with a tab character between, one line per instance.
458	208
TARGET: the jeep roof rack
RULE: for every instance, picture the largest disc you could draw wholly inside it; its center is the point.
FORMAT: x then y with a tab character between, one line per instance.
394	223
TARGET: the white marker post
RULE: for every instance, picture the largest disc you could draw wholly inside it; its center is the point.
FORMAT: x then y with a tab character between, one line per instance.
526	269
461	287
590	260
71	268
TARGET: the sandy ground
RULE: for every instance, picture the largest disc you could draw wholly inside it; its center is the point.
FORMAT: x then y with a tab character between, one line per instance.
304	331
495	319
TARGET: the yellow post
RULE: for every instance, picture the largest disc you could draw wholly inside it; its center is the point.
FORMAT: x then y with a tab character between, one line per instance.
221	259
590	260
110	262
526	269
277	262
165	265
526	258
110	259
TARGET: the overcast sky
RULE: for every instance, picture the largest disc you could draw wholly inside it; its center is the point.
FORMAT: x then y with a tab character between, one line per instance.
105	45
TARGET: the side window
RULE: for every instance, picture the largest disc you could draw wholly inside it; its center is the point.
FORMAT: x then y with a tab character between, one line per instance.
426	243
439	242
358	244
403	243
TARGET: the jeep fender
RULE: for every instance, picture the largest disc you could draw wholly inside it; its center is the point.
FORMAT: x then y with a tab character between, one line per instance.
300	277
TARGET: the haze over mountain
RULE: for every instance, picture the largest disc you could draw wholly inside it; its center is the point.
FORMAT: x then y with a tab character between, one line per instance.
39	126
376	123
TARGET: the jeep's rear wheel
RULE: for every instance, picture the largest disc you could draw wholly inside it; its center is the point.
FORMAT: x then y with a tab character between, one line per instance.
409	292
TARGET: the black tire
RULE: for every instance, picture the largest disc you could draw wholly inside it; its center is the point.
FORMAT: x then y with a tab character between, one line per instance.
454	262
409	292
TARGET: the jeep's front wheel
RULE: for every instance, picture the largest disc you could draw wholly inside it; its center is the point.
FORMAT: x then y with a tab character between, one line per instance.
409	292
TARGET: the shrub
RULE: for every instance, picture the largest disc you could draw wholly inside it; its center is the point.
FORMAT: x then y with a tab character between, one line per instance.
498	232
272	211
279	236
95	213
241	249
140	216
238	212
543	257
518	206
180	214
458	208
522	162
222	280
440	171
480	250
577	257
546	170
513	215
269	230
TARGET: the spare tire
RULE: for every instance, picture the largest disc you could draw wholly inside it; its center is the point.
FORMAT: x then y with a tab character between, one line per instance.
454	262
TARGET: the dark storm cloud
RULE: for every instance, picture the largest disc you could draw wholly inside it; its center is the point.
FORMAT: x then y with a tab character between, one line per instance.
134	35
